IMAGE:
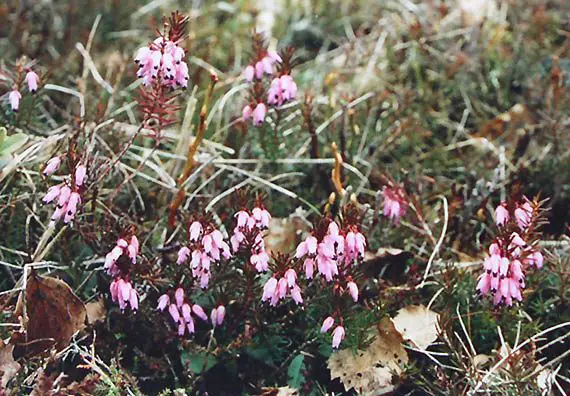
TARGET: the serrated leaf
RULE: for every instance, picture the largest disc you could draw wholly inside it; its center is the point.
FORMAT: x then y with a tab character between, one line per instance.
295	371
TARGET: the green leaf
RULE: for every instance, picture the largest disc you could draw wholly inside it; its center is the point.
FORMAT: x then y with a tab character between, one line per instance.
198	362
9	144
295	371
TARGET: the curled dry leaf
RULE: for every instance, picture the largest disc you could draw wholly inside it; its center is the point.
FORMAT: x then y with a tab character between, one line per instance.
53	314
371	371
8	366
417	324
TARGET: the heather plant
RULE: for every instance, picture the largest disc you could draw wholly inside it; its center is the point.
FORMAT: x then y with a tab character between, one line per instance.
286	198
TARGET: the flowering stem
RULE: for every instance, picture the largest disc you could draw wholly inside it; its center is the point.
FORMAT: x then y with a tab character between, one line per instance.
190	162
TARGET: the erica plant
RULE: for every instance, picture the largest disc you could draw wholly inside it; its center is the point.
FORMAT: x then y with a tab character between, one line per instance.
514	250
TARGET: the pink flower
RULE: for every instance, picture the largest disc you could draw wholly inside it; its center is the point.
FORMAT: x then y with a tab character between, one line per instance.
484	284
282	288
291	277
134	300
163	301
51	166
308	246
269	289
259	114
353	290
501	215
179	296
259	69
14	98
249	73
535	259
71	208
199	312
174	313
221	314
260	261
296	294
516	240
242	218
163	58
327	324
309	265
246	112
217	315
523	215
355	244
282	90
52	193
183	255
123	292
338	336
261	217
186	312
190	326
64	195
32	80
195	230
80	173
394	205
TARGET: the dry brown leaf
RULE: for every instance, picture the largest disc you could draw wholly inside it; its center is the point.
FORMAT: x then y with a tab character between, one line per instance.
281	391
417	324
8	366
95	311
53	312
282	234
370	371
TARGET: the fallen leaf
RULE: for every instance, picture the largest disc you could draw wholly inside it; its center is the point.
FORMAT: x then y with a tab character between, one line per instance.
53	314
95	311
371	371
281	391
417	324
282	234
8	366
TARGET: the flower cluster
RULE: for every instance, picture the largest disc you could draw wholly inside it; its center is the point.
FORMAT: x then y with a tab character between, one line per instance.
332	250
15	96
395	205
162	61
265	64
128	249
282	88
206	247
275	290
118	264
337	334
511	253
67	195
182	311
217	315
248	235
